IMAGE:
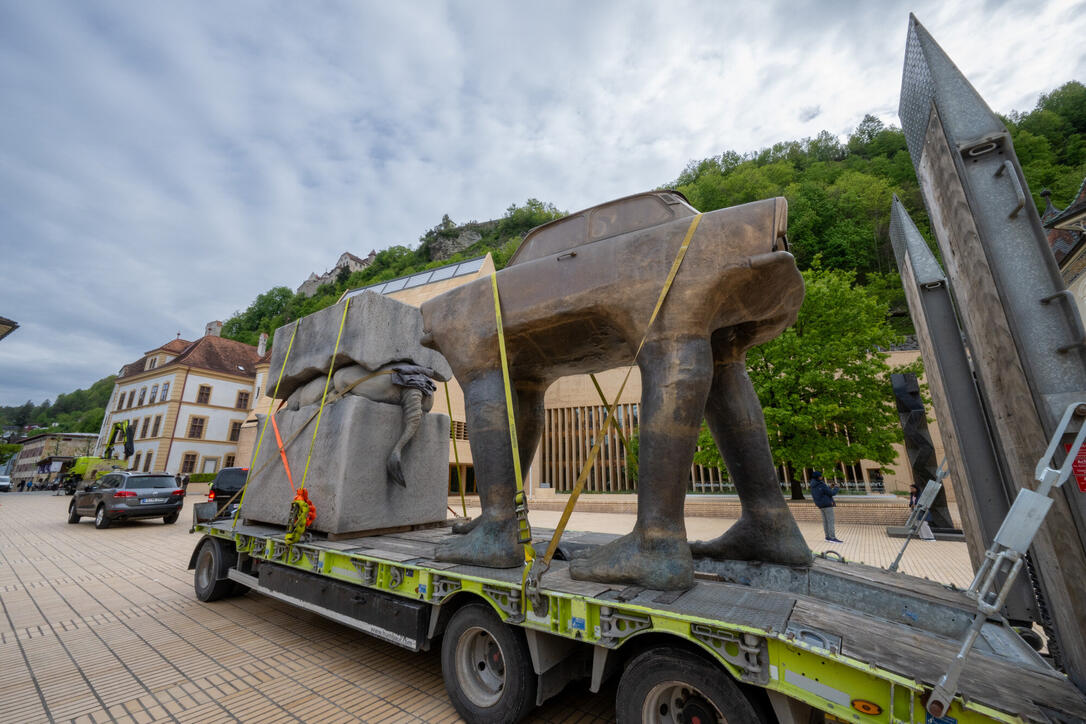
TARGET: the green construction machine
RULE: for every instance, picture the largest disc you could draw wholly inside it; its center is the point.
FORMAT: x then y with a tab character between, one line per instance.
91	467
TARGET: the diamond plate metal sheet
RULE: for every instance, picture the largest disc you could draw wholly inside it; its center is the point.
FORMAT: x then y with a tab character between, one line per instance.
917	91
765	610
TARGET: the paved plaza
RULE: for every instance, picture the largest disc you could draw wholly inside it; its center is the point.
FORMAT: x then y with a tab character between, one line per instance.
103	626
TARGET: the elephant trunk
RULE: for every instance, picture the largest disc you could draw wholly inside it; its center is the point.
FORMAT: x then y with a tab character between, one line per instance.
411	404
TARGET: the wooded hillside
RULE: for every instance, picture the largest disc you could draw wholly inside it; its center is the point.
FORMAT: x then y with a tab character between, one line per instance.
839	206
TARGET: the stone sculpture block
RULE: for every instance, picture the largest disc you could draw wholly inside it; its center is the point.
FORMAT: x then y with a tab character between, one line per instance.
347	479
378	459
378	331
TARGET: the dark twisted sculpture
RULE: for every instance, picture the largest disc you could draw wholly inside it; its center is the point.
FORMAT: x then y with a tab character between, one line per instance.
399	383
576	298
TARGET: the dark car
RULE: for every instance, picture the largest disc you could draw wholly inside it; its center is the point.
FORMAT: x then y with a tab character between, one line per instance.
224	489
125	496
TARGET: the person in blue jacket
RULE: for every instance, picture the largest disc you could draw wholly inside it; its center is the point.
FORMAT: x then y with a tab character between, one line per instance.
823	498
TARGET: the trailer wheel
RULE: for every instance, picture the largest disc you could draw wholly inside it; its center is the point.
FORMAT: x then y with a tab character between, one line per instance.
211	563
487	667
670	685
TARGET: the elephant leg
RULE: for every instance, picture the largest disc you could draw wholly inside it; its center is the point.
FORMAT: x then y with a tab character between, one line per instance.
675	381
491	539
529	417
411	405
766	530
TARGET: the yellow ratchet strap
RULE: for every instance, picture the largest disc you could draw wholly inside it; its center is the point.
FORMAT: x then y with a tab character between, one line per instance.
324	395
603	398
524	530
301	428
456	452
260	437
610	420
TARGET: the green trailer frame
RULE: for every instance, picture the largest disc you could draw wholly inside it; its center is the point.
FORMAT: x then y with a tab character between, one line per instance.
770	628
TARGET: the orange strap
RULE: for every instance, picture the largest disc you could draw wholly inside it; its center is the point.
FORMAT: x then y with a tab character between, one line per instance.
282	452
311	510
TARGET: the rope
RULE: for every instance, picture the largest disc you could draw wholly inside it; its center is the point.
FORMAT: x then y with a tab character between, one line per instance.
302	510
610	420
332	400
456	452
260	437
524	530
324	395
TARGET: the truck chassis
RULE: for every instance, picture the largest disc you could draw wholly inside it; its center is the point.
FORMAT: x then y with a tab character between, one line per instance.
749	642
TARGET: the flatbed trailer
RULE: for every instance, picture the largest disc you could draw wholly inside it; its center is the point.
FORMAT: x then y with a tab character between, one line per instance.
840	641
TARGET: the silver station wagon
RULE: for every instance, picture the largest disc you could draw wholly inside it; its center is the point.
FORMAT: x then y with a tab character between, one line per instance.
124	496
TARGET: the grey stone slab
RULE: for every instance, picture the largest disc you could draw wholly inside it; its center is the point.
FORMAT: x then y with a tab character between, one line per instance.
377	332
347	481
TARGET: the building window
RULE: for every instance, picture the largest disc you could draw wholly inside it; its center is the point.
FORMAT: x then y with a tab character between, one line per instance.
154	394
154	429
203	396
136	463
131	399
228	461
165	392
235	431
188	463
243	401
143	430
196	427
152	363
143	394
120	401
147	462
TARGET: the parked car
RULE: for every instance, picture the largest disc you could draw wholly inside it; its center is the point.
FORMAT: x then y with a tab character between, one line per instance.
125	496
5	483
224	489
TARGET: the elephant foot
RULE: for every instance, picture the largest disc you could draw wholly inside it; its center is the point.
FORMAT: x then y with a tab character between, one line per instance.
465	525
663	564
772	537
489	543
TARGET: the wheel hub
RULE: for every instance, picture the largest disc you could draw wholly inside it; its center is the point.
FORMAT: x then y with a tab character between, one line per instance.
480	667
675	702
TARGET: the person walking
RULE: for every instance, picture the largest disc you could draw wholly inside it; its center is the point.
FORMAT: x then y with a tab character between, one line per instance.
823	494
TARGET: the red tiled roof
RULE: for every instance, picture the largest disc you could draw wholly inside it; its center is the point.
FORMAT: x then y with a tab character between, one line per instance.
221	355
217	354
174	346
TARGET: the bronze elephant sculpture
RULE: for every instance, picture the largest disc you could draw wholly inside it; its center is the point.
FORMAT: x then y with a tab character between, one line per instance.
576	298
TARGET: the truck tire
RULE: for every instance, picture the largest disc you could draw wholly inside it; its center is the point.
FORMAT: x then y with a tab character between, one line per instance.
487	667
671	685
73	517
212	562
101	518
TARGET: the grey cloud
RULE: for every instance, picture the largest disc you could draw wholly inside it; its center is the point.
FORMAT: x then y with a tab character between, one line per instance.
166	163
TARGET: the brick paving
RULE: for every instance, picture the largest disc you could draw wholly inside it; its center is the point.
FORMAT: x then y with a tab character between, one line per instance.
103	626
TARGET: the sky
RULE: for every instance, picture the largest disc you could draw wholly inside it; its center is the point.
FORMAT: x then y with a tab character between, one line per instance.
163	163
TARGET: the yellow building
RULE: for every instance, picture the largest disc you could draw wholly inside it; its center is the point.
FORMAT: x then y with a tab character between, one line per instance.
187	401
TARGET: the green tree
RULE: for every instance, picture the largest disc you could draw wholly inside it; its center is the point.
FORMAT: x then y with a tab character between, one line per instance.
824	383
7	450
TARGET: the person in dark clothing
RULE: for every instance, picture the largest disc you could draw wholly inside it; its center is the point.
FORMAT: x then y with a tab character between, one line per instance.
822	494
